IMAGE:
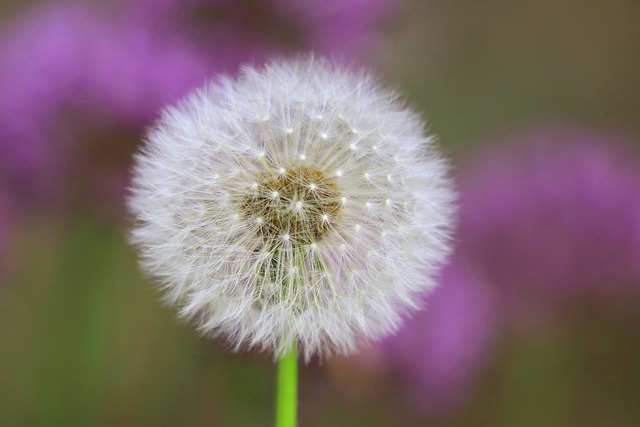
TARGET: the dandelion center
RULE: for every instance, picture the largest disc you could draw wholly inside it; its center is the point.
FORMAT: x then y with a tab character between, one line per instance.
295	205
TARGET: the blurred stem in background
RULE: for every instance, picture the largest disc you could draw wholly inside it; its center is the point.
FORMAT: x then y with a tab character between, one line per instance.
287	403
78	316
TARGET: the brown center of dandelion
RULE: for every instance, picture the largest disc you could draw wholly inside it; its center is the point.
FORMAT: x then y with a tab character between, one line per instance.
296	205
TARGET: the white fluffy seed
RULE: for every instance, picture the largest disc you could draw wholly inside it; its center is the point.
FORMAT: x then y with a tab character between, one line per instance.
262	255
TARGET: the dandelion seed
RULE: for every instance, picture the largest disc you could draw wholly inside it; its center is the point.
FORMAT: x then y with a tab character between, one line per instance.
293	265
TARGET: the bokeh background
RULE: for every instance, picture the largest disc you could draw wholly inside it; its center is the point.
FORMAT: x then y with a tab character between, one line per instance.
537	319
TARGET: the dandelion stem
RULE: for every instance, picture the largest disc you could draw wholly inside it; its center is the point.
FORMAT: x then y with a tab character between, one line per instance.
287	403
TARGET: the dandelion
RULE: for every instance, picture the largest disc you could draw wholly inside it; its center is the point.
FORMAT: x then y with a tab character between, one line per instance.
298	205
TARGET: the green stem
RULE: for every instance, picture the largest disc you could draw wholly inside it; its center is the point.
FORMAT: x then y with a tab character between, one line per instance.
287	404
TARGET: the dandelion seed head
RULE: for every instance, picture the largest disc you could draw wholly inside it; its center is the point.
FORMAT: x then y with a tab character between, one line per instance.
278	249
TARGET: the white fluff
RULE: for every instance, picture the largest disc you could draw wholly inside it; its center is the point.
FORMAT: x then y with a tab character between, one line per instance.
340	276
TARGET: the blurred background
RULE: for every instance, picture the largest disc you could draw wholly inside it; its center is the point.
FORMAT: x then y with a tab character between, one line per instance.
537	319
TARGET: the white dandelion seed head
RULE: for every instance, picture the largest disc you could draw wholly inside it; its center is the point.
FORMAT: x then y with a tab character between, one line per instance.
267	247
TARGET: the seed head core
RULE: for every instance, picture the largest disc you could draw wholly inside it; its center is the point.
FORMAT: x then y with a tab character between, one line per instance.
296	204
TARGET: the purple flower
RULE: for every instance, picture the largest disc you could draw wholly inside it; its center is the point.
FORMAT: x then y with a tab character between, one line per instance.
438	352
554	215
336	27
78	87
37	73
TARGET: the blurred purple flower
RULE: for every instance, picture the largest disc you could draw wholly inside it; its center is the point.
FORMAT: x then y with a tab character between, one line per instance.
438	353
335	27
72	80
40	64
555	215
338	27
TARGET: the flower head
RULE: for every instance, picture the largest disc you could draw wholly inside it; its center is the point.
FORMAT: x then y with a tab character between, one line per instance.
337	27
439	352
79	87
298	203
554	216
